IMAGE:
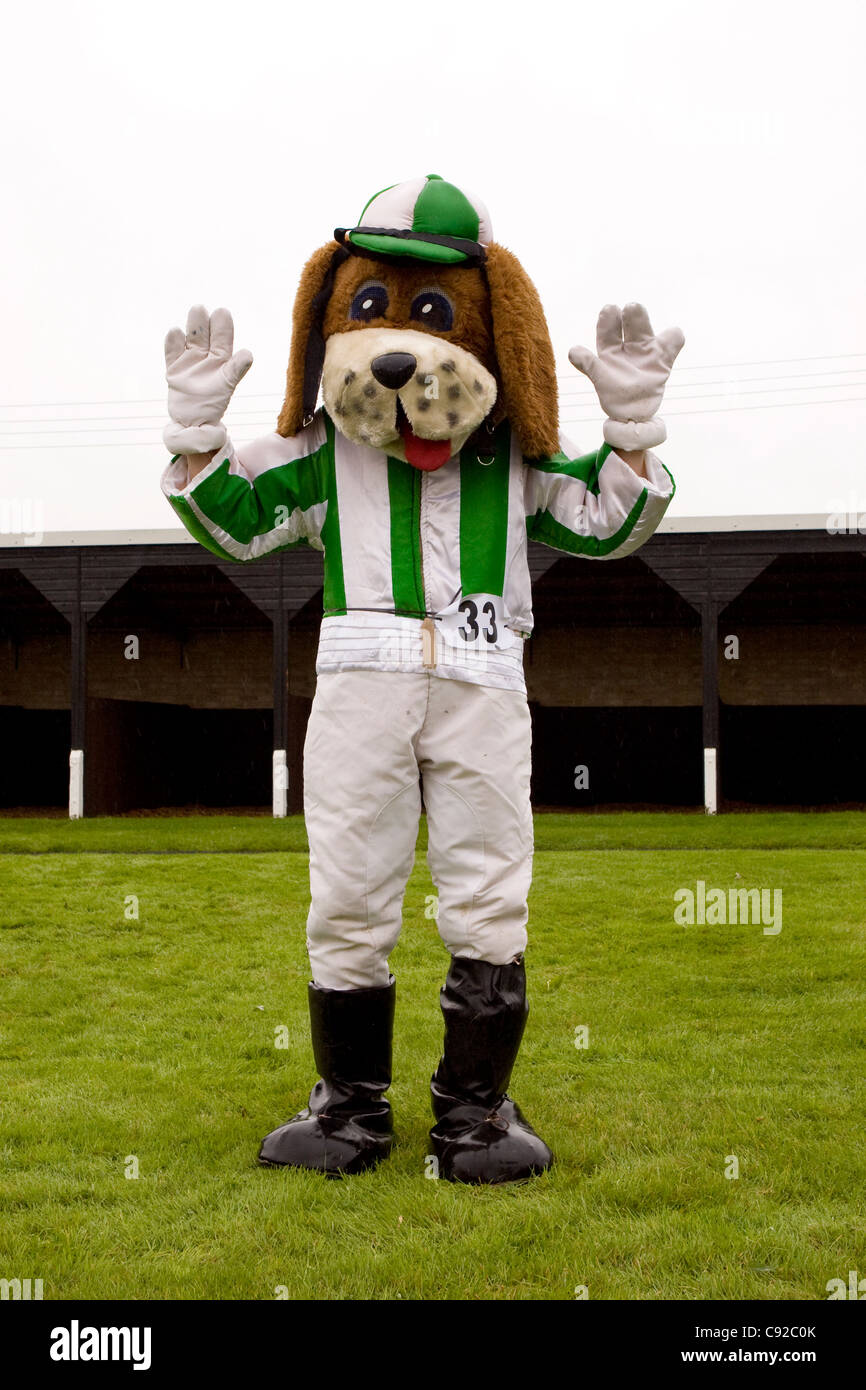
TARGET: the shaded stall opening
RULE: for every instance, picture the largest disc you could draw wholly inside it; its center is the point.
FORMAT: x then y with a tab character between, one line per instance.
34	699
34	762
188	721
606	747
796	755
174	757
632	757
804	742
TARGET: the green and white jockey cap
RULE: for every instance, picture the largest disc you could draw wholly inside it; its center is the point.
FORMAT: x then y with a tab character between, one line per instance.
425	219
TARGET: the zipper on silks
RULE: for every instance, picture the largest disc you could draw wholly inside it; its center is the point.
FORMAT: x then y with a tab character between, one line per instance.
428	627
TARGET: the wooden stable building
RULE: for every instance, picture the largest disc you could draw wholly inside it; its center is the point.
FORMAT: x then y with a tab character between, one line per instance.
724	664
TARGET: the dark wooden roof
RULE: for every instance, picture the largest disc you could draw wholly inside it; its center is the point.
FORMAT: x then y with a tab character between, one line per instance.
768	576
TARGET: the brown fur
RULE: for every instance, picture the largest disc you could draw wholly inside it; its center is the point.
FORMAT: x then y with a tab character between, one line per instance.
524	352
497	317
312	277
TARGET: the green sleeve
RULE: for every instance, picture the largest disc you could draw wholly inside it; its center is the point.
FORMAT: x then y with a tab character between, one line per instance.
594	506
241	518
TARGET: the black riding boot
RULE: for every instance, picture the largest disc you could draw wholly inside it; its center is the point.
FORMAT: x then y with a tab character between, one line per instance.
480	1135
347	1125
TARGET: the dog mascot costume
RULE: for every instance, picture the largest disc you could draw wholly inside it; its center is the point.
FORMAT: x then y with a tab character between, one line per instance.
435	455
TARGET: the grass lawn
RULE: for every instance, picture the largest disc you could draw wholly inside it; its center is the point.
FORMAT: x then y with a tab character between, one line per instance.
152	1042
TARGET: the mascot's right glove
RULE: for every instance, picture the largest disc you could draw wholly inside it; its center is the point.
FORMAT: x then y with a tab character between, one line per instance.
202	373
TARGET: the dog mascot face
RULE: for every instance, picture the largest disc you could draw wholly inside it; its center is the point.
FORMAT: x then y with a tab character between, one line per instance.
403	381
418	345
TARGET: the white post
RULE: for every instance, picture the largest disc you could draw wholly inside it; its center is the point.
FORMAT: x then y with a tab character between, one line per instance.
280	782
76	783
711	800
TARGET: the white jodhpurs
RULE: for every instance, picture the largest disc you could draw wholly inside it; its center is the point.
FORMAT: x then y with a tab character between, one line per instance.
374	739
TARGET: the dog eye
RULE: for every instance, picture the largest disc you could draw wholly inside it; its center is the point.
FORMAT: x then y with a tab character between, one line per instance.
371	302
433	309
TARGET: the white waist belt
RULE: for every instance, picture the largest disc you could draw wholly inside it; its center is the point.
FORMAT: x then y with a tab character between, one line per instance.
387	642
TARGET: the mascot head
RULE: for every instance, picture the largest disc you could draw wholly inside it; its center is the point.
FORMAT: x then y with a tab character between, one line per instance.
421	331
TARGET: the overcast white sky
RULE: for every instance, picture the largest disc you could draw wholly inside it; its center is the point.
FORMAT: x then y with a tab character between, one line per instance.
707	160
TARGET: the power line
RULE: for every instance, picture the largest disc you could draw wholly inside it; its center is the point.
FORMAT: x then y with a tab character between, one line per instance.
132	400
123	424
117	419
698	396
99	430
763	391
770	361
747	380
766	362
728	409
571	420
263	413
271	395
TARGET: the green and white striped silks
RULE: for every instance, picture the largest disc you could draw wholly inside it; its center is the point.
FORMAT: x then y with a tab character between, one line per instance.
403	545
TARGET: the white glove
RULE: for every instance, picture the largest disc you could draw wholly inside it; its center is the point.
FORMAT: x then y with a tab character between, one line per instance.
629	374
202	373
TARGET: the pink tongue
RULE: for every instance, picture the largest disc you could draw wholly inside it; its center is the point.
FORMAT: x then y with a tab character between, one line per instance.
424	453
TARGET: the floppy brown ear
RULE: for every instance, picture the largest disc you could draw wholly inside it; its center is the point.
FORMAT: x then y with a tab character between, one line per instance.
305	358
524	352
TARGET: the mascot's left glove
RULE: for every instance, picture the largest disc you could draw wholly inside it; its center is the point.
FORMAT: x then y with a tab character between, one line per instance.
630	374
202	373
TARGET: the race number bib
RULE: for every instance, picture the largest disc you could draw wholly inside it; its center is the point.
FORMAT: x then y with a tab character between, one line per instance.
475	623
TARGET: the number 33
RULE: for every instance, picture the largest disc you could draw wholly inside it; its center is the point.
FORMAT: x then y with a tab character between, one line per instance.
471	631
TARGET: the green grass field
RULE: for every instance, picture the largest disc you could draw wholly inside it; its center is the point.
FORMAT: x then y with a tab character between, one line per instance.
152	1042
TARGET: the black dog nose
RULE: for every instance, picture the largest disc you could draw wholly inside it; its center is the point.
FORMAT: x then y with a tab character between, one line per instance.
393	369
